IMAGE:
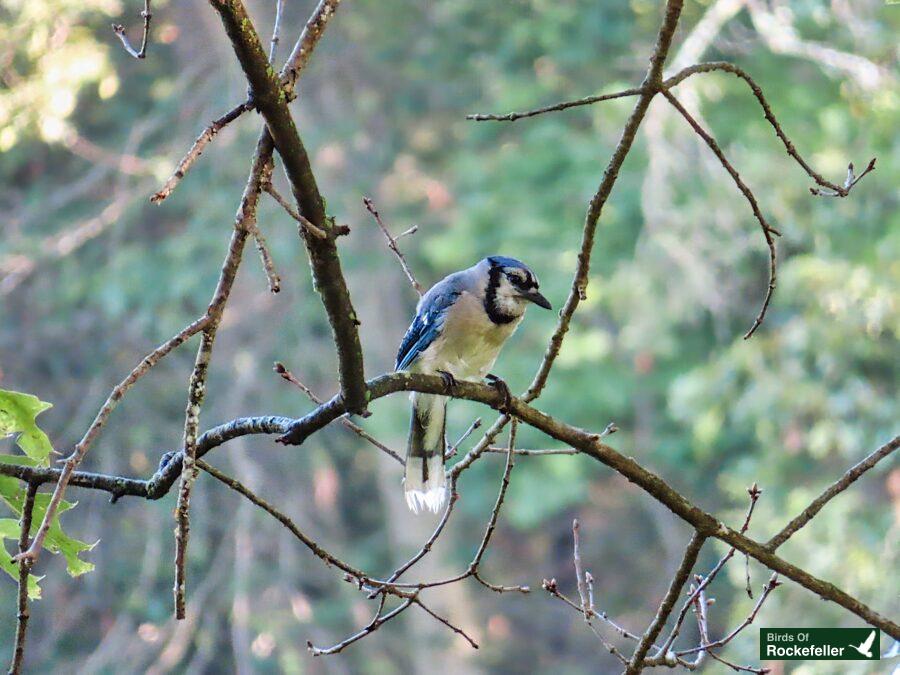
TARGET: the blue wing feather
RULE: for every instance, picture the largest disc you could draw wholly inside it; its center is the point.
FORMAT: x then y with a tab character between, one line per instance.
426	326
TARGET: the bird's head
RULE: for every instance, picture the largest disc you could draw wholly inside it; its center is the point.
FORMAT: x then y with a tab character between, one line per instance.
510	286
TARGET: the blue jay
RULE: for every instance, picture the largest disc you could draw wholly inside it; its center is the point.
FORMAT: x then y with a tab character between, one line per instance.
459	328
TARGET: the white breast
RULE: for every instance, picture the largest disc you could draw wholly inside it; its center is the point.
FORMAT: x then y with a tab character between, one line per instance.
469	342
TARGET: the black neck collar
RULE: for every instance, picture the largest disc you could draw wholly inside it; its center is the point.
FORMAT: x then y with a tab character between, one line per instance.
495	314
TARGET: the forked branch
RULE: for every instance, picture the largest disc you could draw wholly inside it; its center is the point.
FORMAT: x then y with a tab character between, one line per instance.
119	30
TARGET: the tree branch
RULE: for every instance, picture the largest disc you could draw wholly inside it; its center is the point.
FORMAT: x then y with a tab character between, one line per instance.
119	30
204	139
371	627
770	586
704	582
748	194
271	100
273	43
288	376
246	218
268	97
830	189
392	244
636	665
23	613
565	105
294	431
307	541
553	589
352	574
831	492
307	226
81	449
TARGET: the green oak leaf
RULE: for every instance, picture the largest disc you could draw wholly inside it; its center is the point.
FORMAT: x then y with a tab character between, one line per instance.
20	460
9	529
57	541
17	416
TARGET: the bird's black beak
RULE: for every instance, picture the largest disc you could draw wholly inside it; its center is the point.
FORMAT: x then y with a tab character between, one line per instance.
538	299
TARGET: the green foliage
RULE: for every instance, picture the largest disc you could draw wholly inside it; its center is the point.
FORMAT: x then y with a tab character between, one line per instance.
17	416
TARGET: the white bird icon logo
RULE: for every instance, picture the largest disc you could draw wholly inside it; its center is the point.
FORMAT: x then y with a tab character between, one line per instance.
865	648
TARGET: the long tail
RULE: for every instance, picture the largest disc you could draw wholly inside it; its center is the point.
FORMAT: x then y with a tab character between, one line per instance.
425	483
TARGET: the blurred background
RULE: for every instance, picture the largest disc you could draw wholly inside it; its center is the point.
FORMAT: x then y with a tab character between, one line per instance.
92	276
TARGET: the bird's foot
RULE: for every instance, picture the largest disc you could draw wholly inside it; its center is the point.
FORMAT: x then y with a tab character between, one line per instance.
503	389
449	380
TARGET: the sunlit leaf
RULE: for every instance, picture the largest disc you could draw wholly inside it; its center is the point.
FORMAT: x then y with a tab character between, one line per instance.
57	541
17	416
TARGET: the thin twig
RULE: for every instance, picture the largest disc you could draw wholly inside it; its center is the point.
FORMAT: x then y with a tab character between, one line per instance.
197	149
372	626
305	225
244	222
535	453
585	583
273	45
501	495
288	376
636	664
754	206
426	547
392	244
701	609
831	492
439	618
268	263
353	574
285	520
589	580
22	611
119	30
747	586
453	449
770	586
740	668
588	100
754	492
578	291
473	569
72	462
552	587
580	579
829	189
303	49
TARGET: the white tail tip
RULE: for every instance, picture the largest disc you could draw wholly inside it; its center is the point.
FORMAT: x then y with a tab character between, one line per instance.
433	499
431	495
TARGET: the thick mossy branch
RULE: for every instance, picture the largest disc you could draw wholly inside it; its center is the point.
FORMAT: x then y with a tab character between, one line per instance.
271	101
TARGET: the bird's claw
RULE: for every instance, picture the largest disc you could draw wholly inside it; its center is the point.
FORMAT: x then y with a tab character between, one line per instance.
503	389
449	380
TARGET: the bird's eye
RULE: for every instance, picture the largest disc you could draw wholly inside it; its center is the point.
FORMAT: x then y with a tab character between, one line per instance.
515	278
